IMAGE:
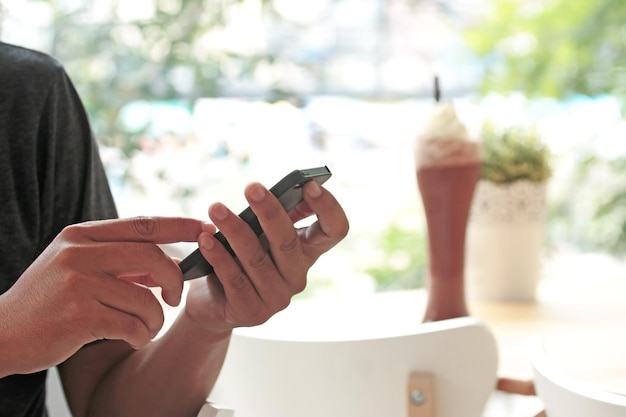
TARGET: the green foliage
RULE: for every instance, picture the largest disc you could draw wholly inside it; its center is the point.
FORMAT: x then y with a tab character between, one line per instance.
403	261
512	154
554	48
615	204
171	52
114	61
598	221
562	48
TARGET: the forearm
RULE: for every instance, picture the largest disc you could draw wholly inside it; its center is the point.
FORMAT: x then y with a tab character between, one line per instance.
12	355
26	345
170	377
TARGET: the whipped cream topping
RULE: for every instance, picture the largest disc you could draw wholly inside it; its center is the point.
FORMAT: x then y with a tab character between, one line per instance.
445	141
444	124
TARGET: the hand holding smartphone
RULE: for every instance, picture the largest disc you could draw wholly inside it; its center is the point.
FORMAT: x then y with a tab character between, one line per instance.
289	193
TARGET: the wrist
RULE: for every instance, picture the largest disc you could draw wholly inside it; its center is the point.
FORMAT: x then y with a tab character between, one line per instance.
14	354
205	312
191	322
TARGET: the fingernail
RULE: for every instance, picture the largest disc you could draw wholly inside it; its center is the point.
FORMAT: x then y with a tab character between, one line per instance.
207	242
219	211
256	192
315	190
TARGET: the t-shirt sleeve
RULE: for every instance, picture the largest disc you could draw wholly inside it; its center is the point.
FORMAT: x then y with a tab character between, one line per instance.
75	187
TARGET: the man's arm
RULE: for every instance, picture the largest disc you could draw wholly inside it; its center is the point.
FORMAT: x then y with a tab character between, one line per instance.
173	375
83	288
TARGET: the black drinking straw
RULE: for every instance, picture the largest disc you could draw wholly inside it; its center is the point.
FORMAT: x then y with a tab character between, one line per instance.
437	89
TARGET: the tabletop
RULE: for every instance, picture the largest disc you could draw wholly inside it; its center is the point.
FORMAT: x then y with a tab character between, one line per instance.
580	312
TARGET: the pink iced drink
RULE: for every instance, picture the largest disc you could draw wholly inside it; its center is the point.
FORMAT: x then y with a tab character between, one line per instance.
448	167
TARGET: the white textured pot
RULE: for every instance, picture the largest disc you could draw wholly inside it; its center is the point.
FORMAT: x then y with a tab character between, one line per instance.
504	243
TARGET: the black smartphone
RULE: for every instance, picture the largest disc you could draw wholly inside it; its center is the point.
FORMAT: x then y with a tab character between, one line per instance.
289	193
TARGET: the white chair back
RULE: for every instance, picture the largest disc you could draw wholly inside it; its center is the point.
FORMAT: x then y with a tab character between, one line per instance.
309	367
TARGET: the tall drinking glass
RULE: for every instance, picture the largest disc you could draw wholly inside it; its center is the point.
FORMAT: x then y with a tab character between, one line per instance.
448	167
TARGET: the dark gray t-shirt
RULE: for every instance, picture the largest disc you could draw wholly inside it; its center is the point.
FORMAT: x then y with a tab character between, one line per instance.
50	176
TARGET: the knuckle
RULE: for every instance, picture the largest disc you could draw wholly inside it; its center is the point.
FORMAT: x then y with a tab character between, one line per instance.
145	298
72	284
339	231
157	325
134	331
343	232
271	212
298	286
264	318
145	226
264	312
291	245
260	316
73	312
237	281
67	257
260	260
152	313
72	232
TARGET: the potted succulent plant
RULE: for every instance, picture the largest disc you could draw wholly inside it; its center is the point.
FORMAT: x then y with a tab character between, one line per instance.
506	225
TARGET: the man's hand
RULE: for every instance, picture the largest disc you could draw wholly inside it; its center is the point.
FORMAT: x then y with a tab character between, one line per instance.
267	272
84	288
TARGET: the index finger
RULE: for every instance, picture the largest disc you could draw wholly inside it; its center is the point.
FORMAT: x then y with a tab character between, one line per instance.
142	229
